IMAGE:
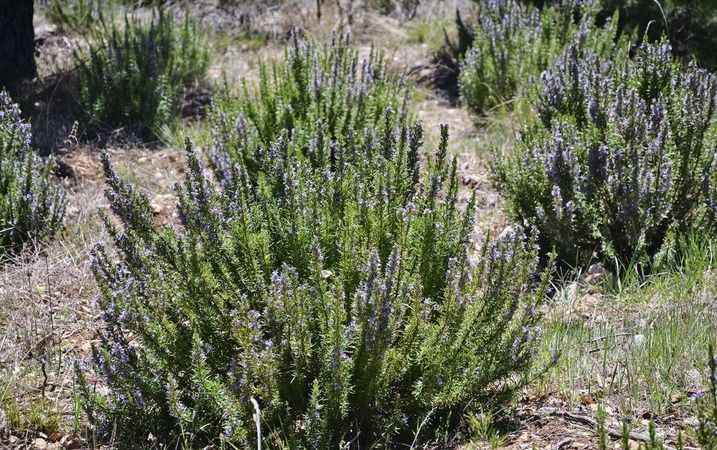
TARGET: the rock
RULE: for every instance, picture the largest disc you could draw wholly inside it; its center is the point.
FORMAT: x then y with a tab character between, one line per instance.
507	234
695	377
547	411
569	294
163	208
638	340
692	422
55	437
70	442
595	274
596	269
160	202
81	165
39	444
471	181
588	400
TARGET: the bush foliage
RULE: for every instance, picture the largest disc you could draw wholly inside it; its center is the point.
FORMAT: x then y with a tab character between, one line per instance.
136	73
317	93
319	271
31	206
622	156
513	43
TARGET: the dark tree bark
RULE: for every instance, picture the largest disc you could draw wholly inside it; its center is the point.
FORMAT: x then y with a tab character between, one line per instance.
17	42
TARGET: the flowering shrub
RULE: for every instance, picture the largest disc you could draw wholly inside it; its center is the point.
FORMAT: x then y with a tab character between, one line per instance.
31	207
621	156
321	274
316	94
135	75
513	43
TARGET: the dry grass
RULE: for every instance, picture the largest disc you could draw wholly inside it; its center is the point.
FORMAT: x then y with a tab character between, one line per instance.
48	315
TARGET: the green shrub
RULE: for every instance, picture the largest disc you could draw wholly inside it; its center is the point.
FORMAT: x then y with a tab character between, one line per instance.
31	206
135	76
317	95
513	43
621	157
320	274
507	50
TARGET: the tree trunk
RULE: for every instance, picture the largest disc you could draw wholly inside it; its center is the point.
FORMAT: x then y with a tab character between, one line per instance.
17	42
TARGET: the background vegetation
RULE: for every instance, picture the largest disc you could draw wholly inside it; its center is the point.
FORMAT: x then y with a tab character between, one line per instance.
31	205
135	73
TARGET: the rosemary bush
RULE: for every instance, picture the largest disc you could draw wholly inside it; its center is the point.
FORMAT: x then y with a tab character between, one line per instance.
318	92
321	273
31	206
621	159
135	74
513	43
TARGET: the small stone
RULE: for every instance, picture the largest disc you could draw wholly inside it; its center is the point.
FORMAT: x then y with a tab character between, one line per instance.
39	444
72	444
596	269
471	181
638	340
326	274
161	202
571	292
692	422
507	232
595	274
587	399
694	376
